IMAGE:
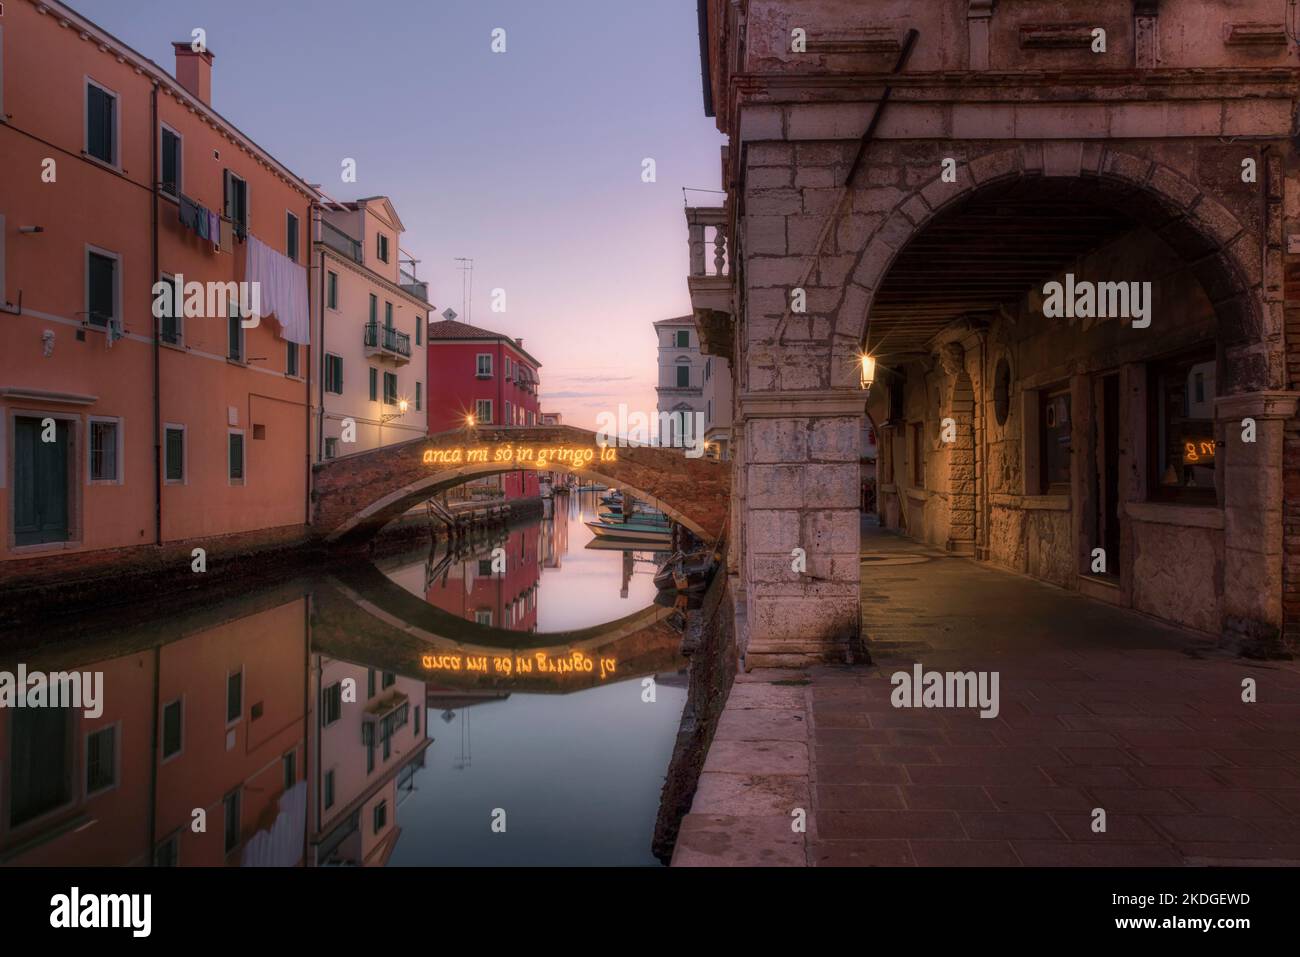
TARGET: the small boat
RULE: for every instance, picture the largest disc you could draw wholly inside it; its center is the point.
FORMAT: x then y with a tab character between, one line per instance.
684	573
613	498
632	531
655	552
593	487
645	518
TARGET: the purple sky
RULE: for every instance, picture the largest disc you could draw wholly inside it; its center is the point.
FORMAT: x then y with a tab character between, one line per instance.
527	161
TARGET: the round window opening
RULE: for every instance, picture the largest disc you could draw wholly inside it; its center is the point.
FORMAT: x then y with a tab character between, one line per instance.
1002	391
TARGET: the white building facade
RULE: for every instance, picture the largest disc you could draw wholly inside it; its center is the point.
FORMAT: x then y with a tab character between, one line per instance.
372	320
680	390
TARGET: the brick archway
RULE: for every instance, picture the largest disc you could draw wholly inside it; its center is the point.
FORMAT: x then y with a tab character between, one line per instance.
356	495
1223	255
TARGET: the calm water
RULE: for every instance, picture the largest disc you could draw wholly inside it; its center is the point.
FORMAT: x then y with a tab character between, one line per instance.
477	708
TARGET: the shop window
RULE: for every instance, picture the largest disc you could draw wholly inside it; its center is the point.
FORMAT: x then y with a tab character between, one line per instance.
1054	440
1183	447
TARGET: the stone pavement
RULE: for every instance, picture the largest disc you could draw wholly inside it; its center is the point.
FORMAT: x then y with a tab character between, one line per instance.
1099	708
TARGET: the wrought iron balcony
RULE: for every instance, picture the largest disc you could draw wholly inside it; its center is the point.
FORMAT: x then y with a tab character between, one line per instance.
386	342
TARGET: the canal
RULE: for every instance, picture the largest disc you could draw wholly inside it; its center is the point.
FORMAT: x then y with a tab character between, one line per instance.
512	701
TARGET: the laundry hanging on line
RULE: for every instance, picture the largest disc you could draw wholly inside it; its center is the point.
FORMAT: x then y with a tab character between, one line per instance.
281	286
201	220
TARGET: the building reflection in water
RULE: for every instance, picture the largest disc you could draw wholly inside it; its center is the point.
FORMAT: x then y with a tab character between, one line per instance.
284	726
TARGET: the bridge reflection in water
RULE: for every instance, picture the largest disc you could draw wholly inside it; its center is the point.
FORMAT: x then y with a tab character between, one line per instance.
299	718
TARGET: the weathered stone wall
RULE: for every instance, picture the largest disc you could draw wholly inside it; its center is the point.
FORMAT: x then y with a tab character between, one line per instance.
1184	93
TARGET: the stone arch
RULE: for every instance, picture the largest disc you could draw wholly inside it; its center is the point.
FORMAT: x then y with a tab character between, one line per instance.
358	494
400	499
1223	255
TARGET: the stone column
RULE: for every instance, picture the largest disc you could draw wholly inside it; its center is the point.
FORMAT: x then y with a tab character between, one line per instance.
1252	506
801	517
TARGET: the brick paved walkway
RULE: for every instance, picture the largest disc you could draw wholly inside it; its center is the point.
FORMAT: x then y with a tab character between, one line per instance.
1100	708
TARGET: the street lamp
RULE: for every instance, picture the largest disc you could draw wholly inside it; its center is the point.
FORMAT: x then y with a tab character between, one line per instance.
868	373
402	406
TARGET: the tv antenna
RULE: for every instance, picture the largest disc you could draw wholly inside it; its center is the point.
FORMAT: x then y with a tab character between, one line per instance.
466	286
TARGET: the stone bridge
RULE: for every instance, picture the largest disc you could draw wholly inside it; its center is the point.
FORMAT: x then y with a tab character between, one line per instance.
356	495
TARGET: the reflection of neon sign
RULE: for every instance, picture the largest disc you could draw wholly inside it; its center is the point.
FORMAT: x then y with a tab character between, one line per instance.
540	663
509	454
1198	451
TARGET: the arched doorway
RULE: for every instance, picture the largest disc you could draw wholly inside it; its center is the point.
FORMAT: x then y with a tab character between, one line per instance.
1070	347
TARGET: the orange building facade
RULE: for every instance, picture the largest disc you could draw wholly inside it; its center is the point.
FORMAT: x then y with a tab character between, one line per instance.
119	428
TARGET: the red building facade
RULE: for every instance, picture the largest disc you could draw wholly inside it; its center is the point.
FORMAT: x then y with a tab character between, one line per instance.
480	377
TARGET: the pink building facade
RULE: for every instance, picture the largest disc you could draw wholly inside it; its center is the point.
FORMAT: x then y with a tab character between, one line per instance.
480	377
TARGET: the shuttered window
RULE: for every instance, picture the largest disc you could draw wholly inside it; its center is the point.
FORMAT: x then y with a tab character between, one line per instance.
237	458
236	208
171	162
334	374
101	124
101	288
174	444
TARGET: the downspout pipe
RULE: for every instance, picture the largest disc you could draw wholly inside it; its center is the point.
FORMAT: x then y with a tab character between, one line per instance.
154	276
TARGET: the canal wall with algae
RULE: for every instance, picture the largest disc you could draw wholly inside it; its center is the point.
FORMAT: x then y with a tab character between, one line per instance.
709	643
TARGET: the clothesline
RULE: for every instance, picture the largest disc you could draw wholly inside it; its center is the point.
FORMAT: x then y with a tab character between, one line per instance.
281	282
282	289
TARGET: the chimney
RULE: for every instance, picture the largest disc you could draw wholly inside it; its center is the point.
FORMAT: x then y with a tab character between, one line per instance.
519	343
194	70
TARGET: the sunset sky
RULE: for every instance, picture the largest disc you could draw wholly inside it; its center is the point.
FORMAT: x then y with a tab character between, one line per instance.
527	161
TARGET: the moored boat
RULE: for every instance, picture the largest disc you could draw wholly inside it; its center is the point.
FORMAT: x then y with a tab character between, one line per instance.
632	531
